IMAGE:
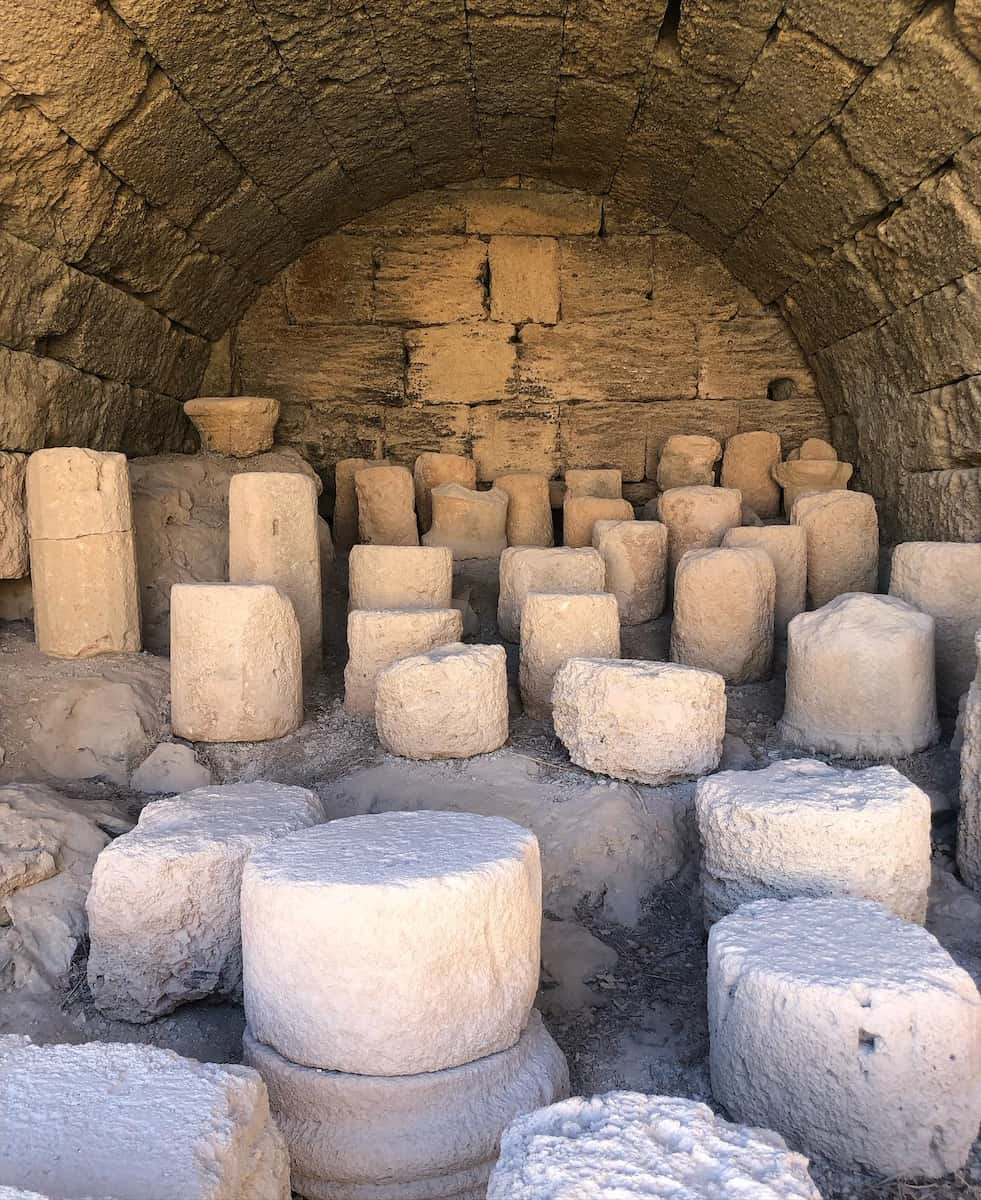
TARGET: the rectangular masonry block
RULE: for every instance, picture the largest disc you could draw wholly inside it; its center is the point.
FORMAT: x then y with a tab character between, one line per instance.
376	639
524	274
400	577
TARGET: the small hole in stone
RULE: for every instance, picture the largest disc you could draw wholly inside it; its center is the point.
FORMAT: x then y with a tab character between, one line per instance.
781	388
866	1042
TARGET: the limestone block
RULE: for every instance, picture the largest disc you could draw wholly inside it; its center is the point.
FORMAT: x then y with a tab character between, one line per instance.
376	639
635	554
748	465
860	679
604	482
842	533
273	538
969	820
723	613
431	470
580	514
697	518
524	279
438	912
849	1031
234	425
235	663
163	908
526	569
944	580
451	702
529	508
14	561
420	1137
817	449
83	559
688	460
787	547
386	506
629	1144
515	435
646	721
803	828
810	475
555	628
400	577
345	528
461	363
169	768
472	524
134	1121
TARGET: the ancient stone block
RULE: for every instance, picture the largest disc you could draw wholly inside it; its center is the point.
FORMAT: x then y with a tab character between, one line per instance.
524	274
376	639
635	554
426	1134
748	464
796	478
529	520
529	569
592	435
556	627
235	663
411	431
168	769
697	518
460	363
522	211
787	547
14	560
234	425
714	418
604	482
803	828
331	281
580	514
163	908
842	534
604	275
400	577
114	1128
273	538
451	702
431	470
646	721
740	358
345	530
472	524
430	280
688	460
515	437
443	916
825	1068
386	506
969	822
886	706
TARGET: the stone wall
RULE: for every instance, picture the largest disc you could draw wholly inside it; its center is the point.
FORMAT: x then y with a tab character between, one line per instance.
534	328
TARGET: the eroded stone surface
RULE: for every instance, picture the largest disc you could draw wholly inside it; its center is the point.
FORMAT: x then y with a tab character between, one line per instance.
237	426
636	557
472	524
431	470
580	514
169	768
386	505
810	475
397	577
525	570
555	628
688	460
14	560
529	520
786	546
747	465
376	639
842	533
969	821
604	482
697	518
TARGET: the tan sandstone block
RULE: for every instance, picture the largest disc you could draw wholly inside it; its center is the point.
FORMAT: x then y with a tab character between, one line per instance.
604	482
472	524
524	275
518	436
636	557
723	613
73	492
688	460
376	639
345	529
526	569
529	508
787	547
430	280
842	534
235	663
273	537
432	469
555	628
580	514
14	558
460	363
817	449
810	475
697	518
748	465
400	577
386	506
234	425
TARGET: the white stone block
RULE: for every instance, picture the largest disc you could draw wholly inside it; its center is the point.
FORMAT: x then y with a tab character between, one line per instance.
472	524
415	1137
849	1031
400	577
723	613
646	721
787	547
860	679
803	828
697	518
842	533
636	558
524	569
944	580
439	913
163	908
451	702
580	514
555	628
624	1144
386	502
168	769
130	1122
375	640
688	460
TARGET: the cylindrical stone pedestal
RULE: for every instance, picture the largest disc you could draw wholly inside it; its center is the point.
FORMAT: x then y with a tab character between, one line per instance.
273	538
529	509
849	1031
697	518
842	534
472	524
723	613
636	557
235	663
860	679
555	628
386	506
787	547
83	561
377	639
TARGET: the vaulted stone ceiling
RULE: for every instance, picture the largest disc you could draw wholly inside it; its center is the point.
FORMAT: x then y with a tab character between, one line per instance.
160	159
